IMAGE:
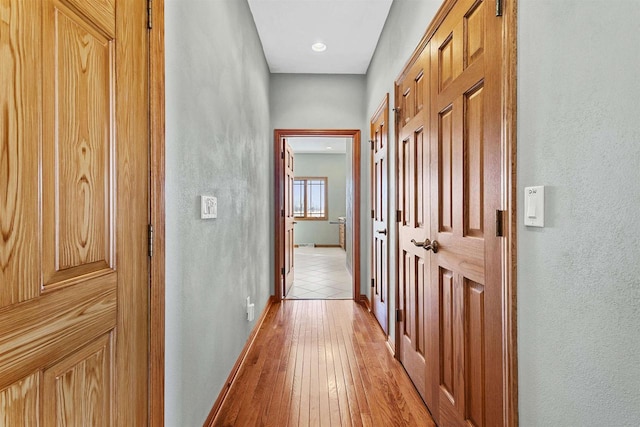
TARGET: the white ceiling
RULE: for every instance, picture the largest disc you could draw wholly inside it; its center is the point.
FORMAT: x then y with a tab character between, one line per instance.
349	28
316	145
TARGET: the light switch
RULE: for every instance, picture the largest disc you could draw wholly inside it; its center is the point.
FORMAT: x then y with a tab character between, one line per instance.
208	207
534	206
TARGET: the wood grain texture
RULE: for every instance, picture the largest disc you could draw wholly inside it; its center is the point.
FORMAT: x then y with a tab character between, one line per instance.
157	285
321	363
102	12
132	151
77	148
78	387
70	66
20	118
19	402
279	200
55	325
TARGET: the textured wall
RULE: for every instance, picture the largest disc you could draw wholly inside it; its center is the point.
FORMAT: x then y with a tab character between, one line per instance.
218	140
323	101
405	26
333	167
579	277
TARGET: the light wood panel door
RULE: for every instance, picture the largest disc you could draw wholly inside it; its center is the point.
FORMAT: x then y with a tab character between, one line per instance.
465	194
414	225
289	218
380	213
73	213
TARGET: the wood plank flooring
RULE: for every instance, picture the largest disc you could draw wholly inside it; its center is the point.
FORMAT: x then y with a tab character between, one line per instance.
321	363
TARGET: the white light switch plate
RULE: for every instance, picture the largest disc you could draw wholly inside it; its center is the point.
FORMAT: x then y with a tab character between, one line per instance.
534	206
208	207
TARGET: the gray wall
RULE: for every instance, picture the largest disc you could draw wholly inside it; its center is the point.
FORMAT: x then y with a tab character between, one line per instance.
332	166
405	26
578	134
218	137
323	101
579	277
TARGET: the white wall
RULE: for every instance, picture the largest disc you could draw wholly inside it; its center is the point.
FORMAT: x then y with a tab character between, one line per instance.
579	277
578	134
333	167
323	101
218	142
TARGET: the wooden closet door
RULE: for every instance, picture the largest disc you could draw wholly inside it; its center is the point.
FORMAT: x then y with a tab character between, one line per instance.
380	221
465	193
289	219
413	264
73	213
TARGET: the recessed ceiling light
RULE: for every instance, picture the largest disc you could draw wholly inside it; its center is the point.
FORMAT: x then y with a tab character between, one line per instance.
329	147
319	47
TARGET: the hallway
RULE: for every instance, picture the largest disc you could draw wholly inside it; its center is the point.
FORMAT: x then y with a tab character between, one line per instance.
322	362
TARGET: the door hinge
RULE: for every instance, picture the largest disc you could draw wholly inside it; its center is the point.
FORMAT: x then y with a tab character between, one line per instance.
373	213
149	14
398	315
499	223
282	271
150	239
282	212
398	216
396	114
373	283
373	144
282	155
498	7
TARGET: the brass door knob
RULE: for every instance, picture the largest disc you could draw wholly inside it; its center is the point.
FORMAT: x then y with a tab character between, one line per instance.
427	244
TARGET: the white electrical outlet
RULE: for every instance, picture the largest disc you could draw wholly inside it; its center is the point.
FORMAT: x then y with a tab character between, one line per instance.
251	310
208	207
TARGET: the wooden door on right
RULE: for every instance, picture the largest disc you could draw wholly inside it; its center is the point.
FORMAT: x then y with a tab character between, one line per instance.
462	283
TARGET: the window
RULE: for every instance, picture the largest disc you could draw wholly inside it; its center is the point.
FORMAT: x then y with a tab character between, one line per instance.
310	198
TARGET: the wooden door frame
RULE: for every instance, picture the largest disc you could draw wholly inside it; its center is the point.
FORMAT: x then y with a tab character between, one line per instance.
157	215
509	195
278	201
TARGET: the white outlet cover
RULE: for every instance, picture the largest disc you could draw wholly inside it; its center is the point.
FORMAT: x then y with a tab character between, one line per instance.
208	207
534	206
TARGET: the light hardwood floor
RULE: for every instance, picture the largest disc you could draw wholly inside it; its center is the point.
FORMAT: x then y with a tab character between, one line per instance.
321	363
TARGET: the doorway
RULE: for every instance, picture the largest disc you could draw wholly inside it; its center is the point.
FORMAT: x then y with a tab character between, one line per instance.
323	255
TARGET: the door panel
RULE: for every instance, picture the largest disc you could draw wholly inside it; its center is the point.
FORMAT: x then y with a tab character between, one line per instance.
289	219
19	402
380	221
78	169
74	195
449	180
465	178
79	387
413	197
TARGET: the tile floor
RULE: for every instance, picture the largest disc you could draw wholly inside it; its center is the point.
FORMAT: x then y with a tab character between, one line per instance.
320	273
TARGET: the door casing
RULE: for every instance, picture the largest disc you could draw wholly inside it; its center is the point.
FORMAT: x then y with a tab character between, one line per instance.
279	227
